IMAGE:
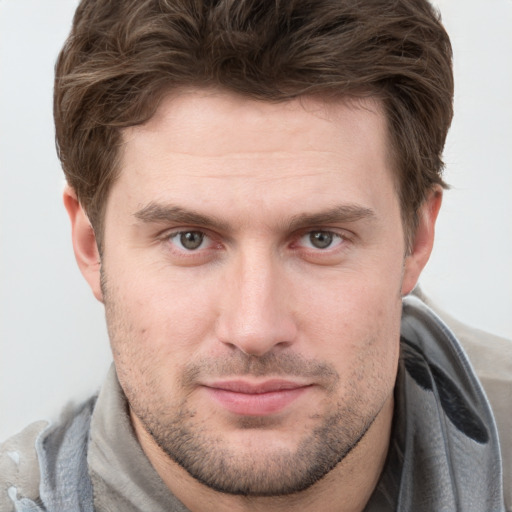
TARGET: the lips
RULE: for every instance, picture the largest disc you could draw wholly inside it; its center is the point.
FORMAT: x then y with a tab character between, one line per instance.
255	399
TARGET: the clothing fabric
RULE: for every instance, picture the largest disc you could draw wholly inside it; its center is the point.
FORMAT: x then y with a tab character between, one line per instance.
491	358
444	452
444	455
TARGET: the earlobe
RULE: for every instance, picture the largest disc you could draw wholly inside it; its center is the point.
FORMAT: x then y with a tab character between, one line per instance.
84	242
423	240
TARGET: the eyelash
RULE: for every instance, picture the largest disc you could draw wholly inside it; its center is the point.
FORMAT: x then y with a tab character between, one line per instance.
200	253
183	252
187	232
331	234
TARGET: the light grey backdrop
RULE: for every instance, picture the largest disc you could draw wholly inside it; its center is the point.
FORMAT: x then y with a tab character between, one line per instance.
53	343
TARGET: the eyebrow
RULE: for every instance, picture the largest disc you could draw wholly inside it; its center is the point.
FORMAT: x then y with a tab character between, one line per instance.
161	213
346	213
170	214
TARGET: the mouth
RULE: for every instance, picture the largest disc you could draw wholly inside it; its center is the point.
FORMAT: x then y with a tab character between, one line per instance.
255	399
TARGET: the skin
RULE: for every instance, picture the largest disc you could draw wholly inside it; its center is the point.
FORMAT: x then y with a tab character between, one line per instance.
258	299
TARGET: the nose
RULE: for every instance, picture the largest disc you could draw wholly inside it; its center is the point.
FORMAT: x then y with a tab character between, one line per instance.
255	313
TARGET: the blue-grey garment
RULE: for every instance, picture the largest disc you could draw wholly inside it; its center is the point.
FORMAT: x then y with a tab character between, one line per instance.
444	453
65	485
443	456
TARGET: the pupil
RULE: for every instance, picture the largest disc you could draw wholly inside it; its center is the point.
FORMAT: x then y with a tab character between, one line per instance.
191	239
321	239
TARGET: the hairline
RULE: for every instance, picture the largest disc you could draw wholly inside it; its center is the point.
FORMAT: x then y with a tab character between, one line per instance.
352	98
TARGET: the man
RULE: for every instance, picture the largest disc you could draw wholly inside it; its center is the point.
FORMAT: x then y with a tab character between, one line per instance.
253	189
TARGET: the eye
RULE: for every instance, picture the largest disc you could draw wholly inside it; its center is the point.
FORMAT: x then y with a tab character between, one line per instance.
321	239
190	240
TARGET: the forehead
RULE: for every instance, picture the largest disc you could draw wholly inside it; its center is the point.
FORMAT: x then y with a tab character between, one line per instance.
207	149
228	122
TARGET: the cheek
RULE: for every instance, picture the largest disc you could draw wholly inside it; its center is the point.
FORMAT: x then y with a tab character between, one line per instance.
156	323
355	323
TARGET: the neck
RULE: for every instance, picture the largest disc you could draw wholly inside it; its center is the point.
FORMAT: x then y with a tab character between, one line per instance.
347	488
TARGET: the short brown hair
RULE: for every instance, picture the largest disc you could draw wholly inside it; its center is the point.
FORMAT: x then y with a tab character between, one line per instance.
122	55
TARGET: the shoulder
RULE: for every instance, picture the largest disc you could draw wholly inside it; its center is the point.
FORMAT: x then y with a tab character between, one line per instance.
46	462
19	466
491	358
490	355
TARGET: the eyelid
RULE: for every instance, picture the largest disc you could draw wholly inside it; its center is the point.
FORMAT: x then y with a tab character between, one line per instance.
168	233
167	236
341	233
217	241
205	240
181	256
336	240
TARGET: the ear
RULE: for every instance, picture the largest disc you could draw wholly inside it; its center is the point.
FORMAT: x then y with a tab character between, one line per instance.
84	242
423	240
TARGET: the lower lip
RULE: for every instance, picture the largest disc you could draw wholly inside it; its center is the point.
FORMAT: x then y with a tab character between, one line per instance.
257	404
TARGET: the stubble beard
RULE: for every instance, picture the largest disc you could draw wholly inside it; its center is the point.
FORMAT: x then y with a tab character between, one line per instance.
210	460
191	441
209	457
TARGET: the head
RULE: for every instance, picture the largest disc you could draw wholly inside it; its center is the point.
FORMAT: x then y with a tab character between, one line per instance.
252	190
123	57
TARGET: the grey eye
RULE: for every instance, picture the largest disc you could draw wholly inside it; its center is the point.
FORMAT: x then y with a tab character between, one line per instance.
321	239
191	240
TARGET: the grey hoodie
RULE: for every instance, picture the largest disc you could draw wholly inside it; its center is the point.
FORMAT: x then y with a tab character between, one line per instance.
444	453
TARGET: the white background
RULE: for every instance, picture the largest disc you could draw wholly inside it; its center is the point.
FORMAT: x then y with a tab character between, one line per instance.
53	342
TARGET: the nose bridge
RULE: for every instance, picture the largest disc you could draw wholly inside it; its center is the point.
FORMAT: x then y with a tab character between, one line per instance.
255	316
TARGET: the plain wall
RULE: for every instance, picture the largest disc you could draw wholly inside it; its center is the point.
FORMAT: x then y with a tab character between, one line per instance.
53	341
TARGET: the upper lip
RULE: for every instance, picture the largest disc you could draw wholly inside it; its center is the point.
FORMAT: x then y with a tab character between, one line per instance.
243	386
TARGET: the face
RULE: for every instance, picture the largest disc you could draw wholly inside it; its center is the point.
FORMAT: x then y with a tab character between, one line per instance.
252	274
